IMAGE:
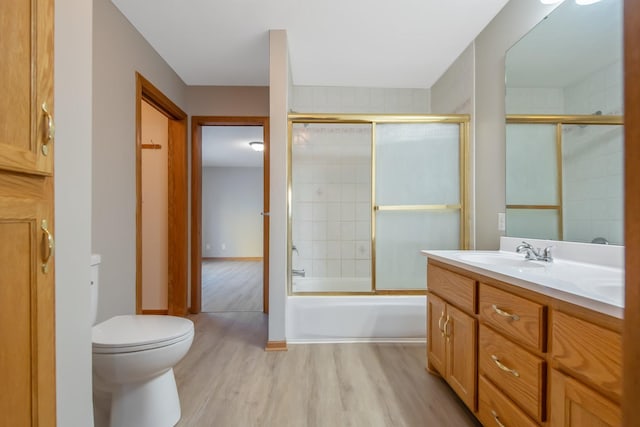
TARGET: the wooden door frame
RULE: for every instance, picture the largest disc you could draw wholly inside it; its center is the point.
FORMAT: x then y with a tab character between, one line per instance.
197	122
631	330
178	261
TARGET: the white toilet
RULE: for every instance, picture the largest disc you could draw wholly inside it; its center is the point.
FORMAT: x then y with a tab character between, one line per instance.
133	360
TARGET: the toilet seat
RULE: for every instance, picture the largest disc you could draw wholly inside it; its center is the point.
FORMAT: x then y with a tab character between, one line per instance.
133	333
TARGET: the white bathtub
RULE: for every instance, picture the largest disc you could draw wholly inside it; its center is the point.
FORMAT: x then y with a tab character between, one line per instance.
324	284
375	318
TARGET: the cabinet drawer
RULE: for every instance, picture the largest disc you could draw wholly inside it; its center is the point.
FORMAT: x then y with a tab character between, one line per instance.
520	374
516	317
497	410
453	287
590	352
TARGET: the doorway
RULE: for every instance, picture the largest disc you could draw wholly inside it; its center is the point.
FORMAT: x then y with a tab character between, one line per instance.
176	190
230	214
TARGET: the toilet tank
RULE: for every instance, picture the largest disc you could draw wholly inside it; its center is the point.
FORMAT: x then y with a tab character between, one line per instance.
95	269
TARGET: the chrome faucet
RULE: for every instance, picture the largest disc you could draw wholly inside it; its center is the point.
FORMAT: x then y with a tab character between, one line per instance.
296	272
535	254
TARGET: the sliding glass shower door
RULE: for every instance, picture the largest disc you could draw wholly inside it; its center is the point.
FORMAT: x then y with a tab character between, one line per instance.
418	199
367	194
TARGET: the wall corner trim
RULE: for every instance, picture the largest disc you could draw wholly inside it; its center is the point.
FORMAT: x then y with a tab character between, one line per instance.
276	346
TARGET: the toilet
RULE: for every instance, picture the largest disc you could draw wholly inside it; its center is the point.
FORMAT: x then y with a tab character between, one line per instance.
133	360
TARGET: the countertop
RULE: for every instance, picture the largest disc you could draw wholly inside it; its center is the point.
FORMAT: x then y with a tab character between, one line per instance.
596	287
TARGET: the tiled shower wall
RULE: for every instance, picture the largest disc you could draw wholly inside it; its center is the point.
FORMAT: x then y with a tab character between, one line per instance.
331	200
323	99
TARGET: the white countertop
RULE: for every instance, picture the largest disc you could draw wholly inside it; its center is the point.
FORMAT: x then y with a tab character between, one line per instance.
596	287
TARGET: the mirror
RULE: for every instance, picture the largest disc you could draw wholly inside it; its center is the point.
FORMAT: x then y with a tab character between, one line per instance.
564	136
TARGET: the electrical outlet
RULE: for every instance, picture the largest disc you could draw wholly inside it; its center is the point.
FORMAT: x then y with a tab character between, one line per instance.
501	221
207	246
224	246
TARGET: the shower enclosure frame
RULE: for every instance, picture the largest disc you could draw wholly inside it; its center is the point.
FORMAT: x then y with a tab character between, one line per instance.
462	120
559	121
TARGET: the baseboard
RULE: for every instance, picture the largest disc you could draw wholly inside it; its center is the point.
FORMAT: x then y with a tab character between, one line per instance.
156	311
367	340
276	346
233	258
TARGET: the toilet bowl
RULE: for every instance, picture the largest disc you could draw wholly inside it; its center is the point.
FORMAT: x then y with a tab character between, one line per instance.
133	360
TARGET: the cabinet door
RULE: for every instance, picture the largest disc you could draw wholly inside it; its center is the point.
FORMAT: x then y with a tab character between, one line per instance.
26	313
436	351
461	367
26	83
575	405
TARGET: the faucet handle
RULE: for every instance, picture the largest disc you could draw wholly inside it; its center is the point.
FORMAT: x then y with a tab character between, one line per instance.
547	251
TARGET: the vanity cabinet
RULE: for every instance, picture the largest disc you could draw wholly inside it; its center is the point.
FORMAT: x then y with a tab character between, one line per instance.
575	405
452	335
519	358
592	355
452	343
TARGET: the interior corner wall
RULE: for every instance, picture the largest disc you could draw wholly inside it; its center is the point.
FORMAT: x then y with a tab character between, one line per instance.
118	52
513	22
278	110
454	93
72	204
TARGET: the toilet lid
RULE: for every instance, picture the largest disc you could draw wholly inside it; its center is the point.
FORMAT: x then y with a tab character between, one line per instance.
139	332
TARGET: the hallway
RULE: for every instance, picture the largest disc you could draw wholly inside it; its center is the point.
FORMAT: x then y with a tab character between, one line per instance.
231	286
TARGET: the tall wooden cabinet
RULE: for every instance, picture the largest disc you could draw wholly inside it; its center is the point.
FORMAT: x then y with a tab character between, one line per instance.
27	352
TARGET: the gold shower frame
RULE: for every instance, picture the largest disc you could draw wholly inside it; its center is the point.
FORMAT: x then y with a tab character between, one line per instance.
559	121
373	119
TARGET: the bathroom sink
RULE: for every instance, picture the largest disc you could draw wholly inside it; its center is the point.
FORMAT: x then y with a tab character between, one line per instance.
500	259
605	290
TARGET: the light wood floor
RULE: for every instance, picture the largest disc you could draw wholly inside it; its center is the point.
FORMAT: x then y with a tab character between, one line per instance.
231	286
228	380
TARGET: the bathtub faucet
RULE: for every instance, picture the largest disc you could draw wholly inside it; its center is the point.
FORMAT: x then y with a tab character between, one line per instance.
295	272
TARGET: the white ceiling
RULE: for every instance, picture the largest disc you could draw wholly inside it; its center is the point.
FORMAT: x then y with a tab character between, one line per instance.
228	146
354	43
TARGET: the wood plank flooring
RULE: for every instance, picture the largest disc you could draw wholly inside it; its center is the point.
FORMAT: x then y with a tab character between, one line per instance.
228	380
231	286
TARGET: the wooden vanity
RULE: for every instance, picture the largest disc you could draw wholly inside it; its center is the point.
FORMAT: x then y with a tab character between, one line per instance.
522	358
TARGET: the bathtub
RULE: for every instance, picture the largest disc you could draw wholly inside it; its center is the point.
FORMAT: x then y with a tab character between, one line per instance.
324	284
370	318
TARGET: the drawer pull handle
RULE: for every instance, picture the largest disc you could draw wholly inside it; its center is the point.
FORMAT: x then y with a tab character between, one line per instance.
500	365
446	327
497	420
505	313
440	324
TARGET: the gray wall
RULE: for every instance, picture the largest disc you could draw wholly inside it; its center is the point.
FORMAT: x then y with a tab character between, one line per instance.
118	52
278	106
454	93
488	108
231	206
228	100
72	85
